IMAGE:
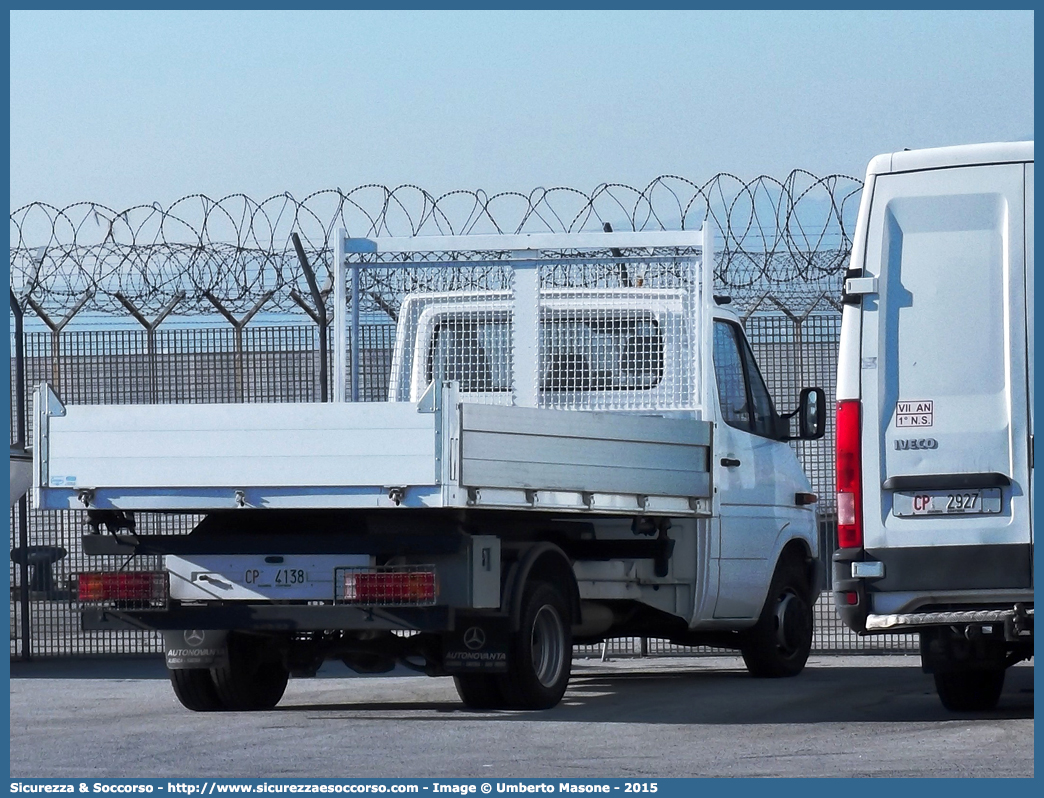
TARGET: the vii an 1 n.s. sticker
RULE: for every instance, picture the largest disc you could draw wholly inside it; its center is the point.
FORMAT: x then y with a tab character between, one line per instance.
914	414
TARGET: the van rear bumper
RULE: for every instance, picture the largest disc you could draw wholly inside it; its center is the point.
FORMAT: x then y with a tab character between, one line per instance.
970	579
849	592
1017	621
985	566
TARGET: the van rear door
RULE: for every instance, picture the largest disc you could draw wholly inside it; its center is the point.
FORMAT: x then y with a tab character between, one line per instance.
1029	324
944	372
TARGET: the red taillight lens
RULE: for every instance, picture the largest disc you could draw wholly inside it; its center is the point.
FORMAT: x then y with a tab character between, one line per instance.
135	588
849	476
389	587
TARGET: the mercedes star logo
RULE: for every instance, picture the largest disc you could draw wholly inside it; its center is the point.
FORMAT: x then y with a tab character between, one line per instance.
194	637
474	638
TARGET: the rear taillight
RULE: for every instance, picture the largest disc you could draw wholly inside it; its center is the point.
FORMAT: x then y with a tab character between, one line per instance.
137	590
388	586
849	476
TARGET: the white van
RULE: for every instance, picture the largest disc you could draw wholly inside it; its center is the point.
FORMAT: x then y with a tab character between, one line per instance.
935	413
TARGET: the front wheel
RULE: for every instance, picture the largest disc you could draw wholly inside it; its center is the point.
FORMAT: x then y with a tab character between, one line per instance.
780	642
541	653
971	690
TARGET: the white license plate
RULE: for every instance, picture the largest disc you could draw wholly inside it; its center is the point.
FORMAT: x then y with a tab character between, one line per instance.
242	577
980	501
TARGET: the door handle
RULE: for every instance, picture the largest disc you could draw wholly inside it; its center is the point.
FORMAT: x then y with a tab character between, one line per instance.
729	462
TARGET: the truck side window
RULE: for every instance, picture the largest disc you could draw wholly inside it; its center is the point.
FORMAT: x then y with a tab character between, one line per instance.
728	371
764	412
745	401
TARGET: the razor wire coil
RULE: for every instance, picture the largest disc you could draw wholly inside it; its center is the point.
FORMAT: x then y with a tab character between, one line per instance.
236	250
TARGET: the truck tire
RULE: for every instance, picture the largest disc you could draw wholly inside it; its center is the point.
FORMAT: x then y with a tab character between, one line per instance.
250	680
540	654
479	691
780	642
970	690
195	689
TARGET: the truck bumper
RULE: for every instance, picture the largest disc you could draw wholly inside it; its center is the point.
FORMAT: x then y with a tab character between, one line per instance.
275	618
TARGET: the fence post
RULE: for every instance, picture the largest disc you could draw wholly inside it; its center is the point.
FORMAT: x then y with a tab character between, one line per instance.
150	332
56	335
355	331
237	327
319	314
23	502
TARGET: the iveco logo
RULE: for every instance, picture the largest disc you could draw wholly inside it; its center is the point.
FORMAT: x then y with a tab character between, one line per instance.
474	638
194	637
916	443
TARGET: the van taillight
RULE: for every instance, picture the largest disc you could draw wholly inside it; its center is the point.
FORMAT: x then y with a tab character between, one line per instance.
849	476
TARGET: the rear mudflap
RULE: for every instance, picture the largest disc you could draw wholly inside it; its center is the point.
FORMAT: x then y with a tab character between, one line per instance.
478	644
195	648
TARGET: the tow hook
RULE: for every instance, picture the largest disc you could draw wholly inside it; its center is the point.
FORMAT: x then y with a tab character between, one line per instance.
1020	624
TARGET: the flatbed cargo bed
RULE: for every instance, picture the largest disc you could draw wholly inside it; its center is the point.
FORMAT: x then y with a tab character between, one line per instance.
438	452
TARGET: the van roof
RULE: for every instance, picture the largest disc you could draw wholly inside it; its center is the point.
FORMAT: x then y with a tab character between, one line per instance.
942	157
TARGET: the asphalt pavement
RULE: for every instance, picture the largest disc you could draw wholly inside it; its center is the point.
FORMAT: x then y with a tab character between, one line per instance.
636	717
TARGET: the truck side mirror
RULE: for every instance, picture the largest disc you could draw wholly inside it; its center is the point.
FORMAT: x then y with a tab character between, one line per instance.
812	414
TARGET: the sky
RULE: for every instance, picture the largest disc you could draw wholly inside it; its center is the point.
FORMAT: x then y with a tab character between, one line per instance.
128	108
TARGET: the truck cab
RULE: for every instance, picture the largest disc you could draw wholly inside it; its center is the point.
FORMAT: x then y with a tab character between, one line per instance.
935	413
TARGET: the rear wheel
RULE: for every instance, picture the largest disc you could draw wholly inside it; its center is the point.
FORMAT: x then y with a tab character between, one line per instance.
195	690
780	642
540	654
971	690
253	678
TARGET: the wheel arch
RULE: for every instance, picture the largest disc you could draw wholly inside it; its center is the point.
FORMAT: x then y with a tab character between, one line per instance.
797	552
544	561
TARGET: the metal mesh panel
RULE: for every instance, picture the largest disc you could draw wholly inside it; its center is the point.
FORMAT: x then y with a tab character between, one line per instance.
376	343
605	326
457	317
55	627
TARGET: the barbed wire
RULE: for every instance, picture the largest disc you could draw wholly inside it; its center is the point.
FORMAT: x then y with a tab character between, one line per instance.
771	233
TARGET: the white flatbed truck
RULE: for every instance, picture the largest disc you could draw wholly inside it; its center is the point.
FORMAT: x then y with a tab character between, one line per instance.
577	445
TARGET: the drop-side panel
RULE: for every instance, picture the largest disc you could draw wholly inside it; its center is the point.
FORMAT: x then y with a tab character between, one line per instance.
540	449
944	365
279	446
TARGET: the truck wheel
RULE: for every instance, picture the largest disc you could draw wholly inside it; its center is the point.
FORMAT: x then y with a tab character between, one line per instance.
195	689
780	642
969	691
250	680
479	691
541	653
